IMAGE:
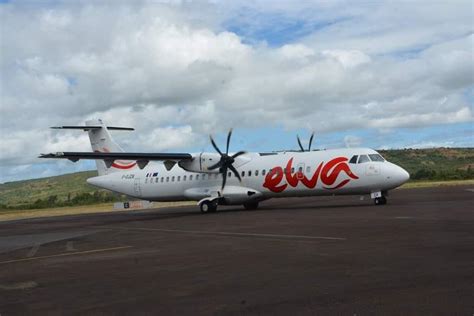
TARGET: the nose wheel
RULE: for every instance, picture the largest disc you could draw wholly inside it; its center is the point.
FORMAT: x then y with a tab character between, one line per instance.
380	200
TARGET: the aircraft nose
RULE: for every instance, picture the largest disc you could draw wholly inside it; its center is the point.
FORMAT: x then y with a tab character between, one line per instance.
402	175
396	175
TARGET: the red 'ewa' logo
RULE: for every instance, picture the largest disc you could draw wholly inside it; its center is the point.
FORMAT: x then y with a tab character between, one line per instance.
119	164
328	174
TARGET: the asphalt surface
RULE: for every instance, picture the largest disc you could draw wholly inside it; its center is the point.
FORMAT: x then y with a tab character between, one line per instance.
331	255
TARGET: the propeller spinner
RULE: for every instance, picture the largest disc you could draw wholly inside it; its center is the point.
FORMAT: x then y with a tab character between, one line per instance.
226	161
310	142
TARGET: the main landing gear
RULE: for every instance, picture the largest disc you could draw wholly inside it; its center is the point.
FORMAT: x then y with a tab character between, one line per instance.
208	207
211	206
251	205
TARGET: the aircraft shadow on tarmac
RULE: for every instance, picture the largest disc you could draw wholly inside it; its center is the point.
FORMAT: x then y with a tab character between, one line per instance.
155	214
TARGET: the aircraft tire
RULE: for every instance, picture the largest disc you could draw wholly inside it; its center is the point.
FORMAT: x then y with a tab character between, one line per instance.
251	205
205	206
380	201
213	208
208	207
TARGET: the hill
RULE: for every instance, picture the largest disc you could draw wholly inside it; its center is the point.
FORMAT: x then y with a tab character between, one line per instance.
72	189
435	163
63	190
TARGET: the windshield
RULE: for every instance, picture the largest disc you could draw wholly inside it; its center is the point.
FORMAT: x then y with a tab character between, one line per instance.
376	157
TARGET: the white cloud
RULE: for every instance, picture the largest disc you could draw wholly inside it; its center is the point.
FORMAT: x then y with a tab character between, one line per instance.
347	58
176	74
352	141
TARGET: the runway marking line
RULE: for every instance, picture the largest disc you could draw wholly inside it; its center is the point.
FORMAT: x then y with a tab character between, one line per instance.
66	254
227	233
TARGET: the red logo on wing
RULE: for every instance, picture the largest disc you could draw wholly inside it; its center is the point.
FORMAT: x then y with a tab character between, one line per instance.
119	164
328	174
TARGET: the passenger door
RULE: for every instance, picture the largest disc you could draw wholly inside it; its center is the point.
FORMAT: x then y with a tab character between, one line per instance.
136	187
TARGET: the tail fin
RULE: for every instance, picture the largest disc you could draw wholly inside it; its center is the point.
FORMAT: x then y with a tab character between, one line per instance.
101	141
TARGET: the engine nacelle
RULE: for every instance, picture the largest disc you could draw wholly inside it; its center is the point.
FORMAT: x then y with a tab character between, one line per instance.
201	163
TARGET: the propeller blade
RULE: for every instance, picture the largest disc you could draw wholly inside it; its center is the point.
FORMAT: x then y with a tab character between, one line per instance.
228	141
237	154
299	142
310	141
215	166
235	172
224	177
214	145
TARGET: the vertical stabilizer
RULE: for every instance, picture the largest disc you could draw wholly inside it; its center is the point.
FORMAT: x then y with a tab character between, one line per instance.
101	141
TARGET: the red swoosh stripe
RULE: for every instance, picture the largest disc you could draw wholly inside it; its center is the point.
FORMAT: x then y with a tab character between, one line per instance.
117	164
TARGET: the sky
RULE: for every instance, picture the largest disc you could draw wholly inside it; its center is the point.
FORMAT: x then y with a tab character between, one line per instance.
379	74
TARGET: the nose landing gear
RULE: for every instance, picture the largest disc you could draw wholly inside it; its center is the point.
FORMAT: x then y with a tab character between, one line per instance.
379	197
380	200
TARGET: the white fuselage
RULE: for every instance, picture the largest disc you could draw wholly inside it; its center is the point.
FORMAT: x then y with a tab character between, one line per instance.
324	172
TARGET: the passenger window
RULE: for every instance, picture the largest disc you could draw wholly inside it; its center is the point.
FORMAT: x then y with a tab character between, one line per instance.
256	172
204	176
263	172
363	158
184	178
179	178
162	179
353	159
250	173
243	173
172	179
191	178
146	180
197	177
308	169
167	179
156	180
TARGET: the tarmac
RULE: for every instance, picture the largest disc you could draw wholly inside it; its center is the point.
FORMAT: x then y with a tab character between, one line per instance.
300	256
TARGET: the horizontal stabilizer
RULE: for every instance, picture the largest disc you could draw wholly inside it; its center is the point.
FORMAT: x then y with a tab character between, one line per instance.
118	156
87	128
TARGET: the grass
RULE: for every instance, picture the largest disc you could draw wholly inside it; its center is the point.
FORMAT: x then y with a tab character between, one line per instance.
8	215
429	184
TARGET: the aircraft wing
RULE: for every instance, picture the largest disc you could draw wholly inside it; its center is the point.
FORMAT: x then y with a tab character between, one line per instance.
141	158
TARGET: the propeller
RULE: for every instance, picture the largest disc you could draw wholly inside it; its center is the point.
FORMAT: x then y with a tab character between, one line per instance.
226	161
310	142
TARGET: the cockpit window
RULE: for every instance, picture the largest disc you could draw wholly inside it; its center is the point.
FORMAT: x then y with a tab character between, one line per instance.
376	157
353	159
363	158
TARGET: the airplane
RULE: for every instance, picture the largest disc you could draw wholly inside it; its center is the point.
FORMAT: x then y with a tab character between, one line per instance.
240	178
